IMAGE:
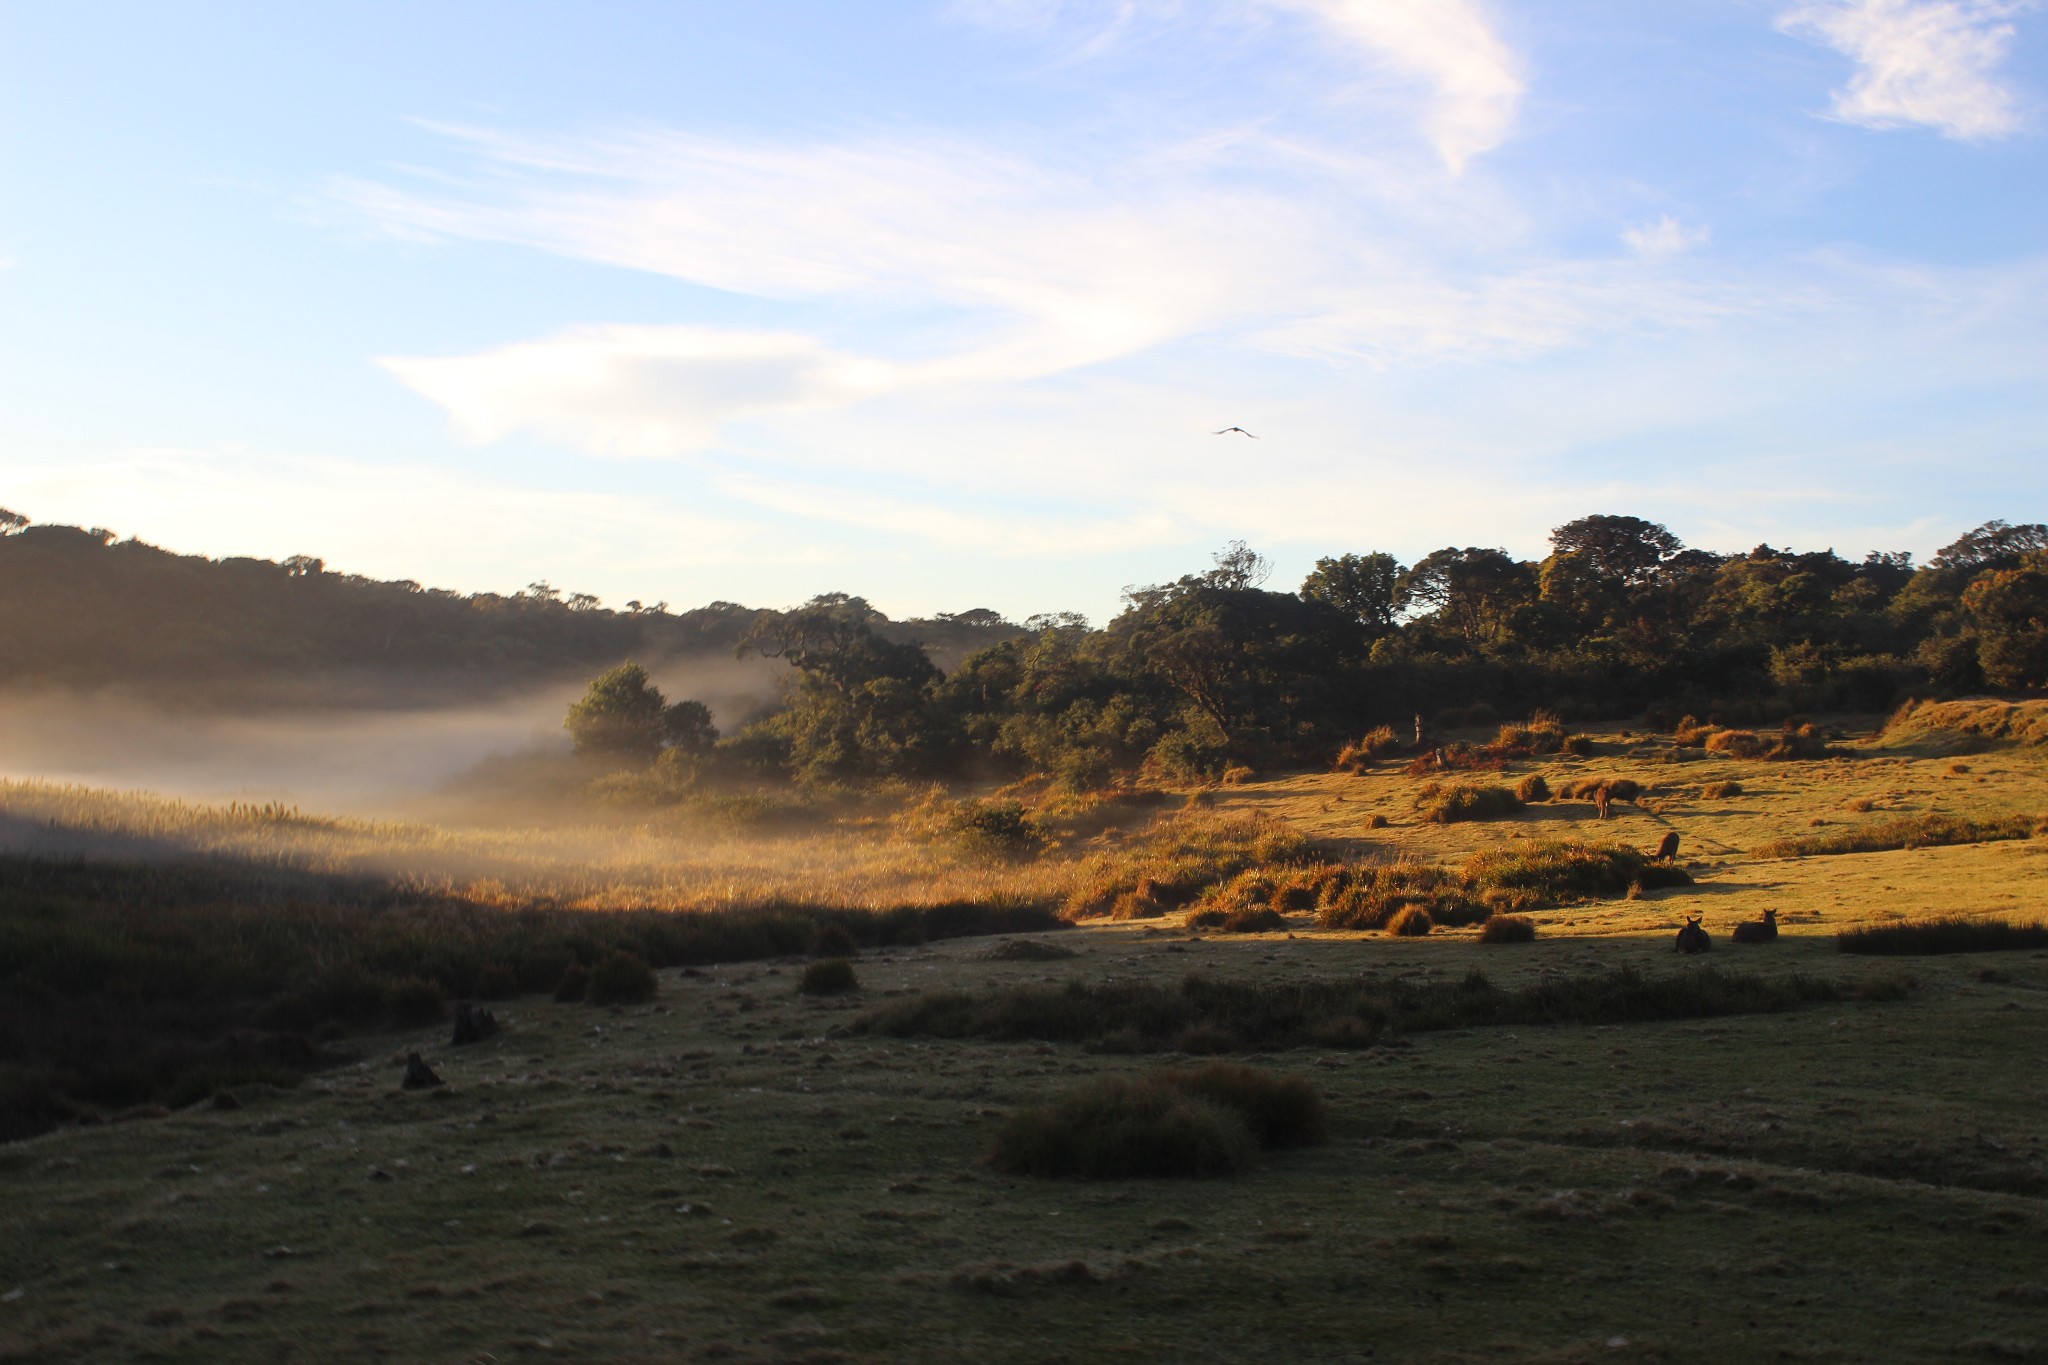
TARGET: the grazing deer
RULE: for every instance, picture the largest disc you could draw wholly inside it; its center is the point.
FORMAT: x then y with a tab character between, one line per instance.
1668	850
1763	930
1693	939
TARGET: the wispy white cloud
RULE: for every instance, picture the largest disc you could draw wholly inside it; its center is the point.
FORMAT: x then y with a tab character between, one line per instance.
1474	78
1932	63
960	267
637	391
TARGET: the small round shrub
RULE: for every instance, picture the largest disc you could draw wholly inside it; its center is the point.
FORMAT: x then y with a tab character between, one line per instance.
1720	791
1208	917
1136	904
414	1000
621	979
834	939
1533	788
1376	821
1578	746
574	985
1508	929
832	976
1412	922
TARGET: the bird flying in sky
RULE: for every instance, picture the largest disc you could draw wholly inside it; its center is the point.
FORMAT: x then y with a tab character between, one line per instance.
1239	430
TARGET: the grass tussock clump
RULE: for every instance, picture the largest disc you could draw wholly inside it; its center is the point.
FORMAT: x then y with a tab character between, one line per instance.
1559	872
1795	741
1372	897
1178	858
1455	758
1542	733
1438	804
1361	753
1532	789
1202	1122
1929	938
1719	791
1137	1016
1508	929
1912	831
1412	922
832	976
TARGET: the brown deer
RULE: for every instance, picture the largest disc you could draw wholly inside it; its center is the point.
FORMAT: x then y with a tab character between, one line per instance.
1693	939
1668	849
1763	930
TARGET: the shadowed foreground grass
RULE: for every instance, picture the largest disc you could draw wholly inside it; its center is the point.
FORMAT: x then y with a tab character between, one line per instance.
123	984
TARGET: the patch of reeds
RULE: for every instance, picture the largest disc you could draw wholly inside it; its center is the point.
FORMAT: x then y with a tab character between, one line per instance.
1931	830
1929	938
1204	1121
1149	1017
1560	871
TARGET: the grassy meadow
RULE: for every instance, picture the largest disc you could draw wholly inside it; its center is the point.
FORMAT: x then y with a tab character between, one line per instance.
1582	1147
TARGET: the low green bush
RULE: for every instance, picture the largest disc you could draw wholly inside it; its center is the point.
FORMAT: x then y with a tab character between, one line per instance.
1438	804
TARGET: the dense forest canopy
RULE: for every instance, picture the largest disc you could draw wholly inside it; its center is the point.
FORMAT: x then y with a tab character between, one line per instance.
1213	669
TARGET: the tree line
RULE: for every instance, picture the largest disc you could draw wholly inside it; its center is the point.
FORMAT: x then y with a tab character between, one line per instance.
1215	669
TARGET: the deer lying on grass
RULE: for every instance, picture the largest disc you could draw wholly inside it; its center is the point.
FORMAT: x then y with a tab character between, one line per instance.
1763	930
1693	939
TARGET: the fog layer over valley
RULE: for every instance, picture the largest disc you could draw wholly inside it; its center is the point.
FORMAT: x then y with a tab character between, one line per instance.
359	761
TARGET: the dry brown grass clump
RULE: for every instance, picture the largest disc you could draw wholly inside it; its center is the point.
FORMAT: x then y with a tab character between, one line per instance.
1720	791
1532	789
1370	747
1543	733
1412	922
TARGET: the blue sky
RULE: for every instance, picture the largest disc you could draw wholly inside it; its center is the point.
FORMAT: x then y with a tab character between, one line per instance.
940	302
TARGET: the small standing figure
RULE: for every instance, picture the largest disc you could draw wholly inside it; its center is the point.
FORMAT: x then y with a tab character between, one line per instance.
1603	800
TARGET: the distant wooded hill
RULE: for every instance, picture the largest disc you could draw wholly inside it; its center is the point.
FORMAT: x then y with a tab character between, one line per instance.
82	610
